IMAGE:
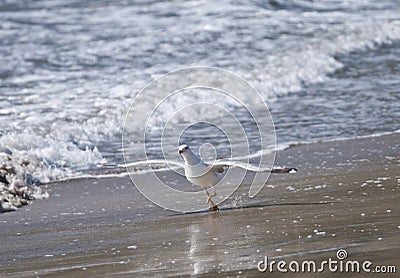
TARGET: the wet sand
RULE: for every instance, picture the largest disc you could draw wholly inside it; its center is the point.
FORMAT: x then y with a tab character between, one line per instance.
345	196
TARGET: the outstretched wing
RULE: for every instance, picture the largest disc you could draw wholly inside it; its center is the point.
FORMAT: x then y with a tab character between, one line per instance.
219	166
149	162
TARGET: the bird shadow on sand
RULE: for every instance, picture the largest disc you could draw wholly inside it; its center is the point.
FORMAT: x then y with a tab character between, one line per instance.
253	206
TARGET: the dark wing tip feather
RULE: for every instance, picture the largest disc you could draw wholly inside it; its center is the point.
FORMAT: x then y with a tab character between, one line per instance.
284	170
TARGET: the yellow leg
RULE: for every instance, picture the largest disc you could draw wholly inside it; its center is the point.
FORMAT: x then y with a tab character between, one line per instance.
209	196
213	207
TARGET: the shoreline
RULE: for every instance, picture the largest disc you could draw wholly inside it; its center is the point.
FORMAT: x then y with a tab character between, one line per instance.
281	147
345	195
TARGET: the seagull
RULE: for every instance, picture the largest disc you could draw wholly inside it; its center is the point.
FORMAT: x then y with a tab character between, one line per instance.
203	174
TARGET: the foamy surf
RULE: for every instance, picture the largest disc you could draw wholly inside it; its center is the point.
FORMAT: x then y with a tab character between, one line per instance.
63	103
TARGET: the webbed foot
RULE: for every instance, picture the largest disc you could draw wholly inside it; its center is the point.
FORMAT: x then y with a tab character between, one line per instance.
214	208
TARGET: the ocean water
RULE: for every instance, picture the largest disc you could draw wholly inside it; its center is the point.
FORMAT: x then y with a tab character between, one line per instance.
71	69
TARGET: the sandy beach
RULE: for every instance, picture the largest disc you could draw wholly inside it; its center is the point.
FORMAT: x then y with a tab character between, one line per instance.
87	86
345	196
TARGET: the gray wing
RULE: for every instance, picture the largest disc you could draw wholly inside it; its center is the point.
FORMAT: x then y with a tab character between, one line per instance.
148	162
219	166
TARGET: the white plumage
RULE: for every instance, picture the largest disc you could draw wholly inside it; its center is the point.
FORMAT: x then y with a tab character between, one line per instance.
203	174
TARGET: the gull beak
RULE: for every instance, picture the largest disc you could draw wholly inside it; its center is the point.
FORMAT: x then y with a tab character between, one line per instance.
180	151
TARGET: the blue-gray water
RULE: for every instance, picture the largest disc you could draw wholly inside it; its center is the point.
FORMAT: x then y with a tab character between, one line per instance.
70	70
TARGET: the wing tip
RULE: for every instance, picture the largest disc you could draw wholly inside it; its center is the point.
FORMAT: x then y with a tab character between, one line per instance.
285	170
293	170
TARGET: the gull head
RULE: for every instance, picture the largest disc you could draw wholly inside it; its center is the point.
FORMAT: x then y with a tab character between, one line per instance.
183	148
187	155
